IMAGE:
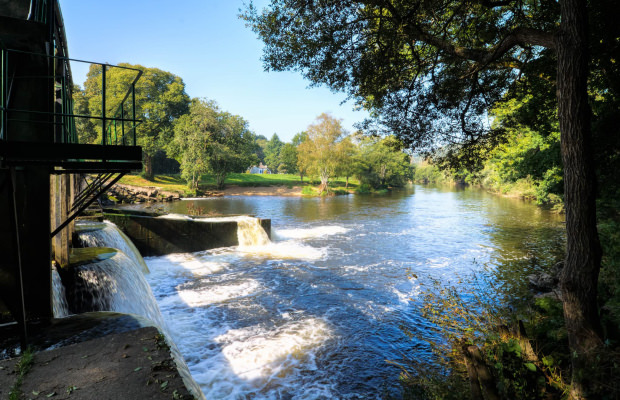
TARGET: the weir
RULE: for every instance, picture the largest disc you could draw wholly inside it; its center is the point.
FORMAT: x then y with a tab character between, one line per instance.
156	234
102	278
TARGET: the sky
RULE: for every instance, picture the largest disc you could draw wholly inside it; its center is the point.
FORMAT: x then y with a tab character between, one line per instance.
210	48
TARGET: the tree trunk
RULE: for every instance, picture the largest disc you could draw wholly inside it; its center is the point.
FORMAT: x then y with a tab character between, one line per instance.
148	167
219	180
579	277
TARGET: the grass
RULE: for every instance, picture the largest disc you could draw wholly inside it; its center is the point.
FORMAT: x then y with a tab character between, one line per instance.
21	369
177	184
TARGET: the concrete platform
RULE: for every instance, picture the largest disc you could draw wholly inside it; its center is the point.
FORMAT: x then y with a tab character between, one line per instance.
98	356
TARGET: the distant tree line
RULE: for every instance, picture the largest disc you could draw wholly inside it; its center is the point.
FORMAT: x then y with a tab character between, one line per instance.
195	137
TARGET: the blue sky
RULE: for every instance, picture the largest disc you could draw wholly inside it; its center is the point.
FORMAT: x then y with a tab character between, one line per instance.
206	44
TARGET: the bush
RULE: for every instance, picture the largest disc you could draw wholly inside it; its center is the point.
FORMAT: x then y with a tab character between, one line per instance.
364	188
308	191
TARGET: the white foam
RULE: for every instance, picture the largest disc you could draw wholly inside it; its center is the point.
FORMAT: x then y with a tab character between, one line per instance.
219	293
283	251
254	353
308	233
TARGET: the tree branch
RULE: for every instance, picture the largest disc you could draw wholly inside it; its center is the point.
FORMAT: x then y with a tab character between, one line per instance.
518	37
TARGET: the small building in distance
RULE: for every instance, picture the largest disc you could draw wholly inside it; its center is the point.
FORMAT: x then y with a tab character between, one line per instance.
261	169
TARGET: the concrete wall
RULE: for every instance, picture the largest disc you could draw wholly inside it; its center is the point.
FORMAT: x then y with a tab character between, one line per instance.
159	236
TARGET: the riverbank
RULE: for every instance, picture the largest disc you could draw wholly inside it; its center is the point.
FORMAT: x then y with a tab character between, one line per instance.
135	189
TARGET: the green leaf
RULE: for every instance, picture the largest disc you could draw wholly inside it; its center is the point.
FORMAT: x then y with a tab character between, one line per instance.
137	369
164	385
531	367
51	394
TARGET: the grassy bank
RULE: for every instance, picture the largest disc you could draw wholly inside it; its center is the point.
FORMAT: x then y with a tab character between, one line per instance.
207	183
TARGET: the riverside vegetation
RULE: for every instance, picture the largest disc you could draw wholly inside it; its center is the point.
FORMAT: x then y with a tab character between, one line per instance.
485	94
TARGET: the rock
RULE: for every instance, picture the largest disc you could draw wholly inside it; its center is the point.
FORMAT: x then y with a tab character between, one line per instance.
543	282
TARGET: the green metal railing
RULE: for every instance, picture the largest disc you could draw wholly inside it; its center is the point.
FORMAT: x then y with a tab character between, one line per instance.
116	129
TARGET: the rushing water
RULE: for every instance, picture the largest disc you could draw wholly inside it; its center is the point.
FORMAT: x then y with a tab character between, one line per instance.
106	234
315	313
59	299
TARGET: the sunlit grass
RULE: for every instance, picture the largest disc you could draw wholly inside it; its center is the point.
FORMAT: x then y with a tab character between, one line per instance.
177	184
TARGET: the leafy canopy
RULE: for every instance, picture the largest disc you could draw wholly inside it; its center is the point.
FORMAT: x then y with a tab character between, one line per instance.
208	140
427	70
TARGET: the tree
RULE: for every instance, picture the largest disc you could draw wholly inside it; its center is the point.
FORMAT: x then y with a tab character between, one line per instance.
384	163
261	143
428	71
189	145
320	153
298	139
85	127
288	159
349	162
208	140
160	100
272	153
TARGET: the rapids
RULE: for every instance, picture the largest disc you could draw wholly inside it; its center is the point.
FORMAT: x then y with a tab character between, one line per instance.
317	312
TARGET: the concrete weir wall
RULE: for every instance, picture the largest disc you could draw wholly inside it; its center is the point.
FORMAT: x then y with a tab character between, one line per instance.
159	236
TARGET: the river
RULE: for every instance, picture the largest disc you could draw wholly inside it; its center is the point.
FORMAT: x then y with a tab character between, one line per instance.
316	313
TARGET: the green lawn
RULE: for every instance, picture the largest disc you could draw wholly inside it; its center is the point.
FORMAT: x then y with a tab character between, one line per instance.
175	183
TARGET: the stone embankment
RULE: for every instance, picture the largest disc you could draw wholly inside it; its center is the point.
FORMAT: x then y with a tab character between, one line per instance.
127	194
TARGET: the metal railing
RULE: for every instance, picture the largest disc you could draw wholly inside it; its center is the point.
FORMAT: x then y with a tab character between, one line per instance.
119	128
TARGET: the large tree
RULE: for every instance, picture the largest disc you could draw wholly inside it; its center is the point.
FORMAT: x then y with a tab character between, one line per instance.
288	159
320	153
208	140
272	153
160	100
383	162
428	71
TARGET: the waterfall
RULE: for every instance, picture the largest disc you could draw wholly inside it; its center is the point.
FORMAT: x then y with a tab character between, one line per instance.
115	284
59	299
107	234
250	232
118	284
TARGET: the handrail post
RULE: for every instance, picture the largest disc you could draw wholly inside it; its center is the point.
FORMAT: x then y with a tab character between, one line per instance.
123	122
3	88
133	105
103	124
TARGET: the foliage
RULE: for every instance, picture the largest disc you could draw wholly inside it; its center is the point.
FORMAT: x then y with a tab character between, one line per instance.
474	316
272	153
421	79
383	162
350	156
213	141
298	139
320	154
160	100
426	172
261	143
288	159
85	127
528	162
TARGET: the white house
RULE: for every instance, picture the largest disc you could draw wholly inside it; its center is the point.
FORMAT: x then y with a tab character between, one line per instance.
261	169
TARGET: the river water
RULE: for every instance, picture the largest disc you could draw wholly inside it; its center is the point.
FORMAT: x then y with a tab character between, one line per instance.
316	313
